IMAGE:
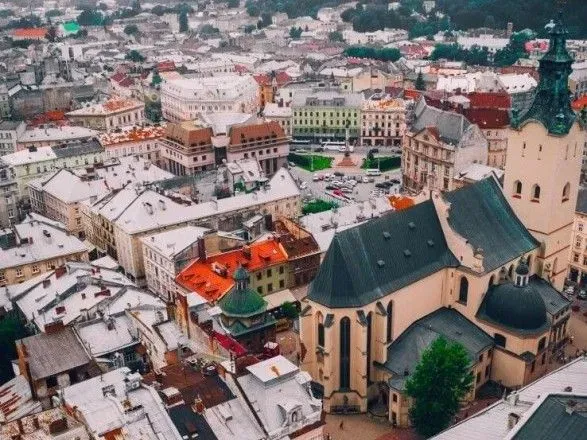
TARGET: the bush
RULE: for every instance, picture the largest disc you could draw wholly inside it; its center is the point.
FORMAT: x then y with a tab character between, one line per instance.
383	163
310	162
318	205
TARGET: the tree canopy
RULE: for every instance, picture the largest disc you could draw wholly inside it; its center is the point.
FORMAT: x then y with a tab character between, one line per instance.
135	55
131	29
295	32
90	17
183	22
420	83
441	380
385	54
478	56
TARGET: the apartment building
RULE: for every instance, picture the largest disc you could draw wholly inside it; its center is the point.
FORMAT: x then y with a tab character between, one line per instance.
189	98
326	114
438	146
35	246
383	121
114	113
34	162
135	141
9	134
281	114
189	147
8	196
578	254
53	136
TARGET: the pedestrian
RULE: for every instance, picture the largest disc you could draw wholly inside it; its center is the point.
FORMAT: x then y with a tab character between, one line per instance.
341	426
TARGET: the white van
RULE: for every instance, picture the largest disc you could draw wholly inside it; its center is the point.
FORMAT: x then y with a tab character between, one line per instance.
373	172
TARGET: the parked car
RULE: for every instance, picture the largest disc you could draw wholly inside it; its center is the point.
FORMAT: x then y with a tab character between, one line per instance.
339	174
315	178
582	295
373	151
396	181
365	179
331	187
381	185
292	164
347	190
304	185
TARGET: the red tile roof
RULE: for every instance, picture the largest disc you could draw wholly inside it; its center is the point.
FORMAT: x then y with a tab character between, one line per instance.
119	76
488	118
580	103
264	79
30	33
490	100
212	278
166	66
251	133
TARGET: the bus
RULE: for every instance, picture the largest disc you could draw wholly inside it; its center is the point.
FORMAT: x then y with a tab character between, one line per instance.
337	146
373	172
299	142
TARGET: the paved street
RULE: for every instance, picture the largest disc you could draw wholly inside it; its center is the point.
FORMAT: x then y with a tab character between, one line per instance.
360	193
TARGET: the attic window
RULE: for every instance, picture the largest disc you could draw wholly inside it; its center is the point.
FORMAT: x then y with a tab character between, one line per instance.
380	263
412	225
386	235
430	243
407	253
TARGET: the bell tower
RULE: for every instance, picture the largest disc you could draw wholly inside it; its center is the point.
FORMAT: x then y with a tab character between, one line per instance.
543	162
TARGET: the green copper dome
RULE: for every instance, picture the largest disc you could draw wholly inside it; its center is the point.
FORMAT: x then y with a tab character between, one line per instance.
552	103
240	301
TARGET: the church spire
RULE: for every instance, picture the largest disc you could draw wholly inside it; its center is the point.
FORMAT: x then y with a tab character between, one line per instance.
552	103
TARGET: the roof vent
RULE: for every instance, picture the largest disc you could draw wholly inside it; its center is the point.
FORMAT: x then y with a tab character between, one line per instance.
412	225
407	253
380	263
386	235
430	243
568	389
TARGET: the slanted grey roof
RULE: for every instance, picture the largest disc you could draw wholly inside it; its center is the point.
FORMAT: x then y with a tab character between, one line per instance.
363	264
553	300
480	213
551	421
77	149
405	352
451	126
53	353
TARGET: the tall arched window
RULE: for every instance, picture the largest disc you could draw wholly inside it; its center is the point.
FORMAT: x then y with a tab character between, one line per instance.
517	189
389	321
541	344
345	353
536	192
566	191
463	290
320	320
511	272
491	281
529	262
368	357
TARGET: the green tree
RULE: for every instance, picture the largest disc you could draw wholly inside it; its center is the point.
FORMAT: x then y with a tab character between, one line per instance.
156	80
53	13
90	17
265	20
232	4
250	28
131	29
5	13
290	310
253	10
420	84
295	33
135	56
51	34
208	29
335	37
11	329
442	379
183	22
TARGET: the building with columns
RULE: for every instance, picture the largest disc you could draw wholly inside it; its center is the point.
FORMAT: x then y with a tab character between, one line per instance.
482	265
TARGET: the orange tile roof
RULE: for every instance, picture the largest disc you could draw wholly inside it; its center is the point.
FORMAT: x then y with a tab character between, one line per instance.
212	278
135	135
32	33
240	134
580	103
116	104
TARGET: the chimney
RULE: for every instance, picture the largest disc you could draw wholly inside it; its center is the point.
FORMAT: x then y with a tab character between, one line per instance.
46	283
60	271
54	327
513	419
201	248
570	406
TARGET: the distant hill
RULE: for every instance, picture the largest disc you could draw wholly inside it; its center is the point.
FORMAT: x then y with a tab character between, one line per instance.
532	14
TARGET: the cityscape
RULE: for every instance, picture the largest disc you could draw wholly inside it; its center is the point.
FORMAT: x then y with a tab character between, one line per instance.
293	220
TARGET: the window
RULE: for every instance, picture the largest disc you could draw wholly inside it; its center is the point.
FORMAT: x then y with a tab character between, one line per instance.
463	290
517	189
35	268
541	344
320	330
535	193
2	276
259	275
281	284
270	287
389	321
543	360
260	290
478	380
394	397
345	353
500	340
281	267
566	191
481	357
487	371
269	272
19	272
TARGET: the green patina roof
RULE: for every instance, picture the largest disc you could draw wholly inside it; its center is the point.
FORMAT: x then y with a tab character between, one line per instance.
552	103
71	26
376	258
240	301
